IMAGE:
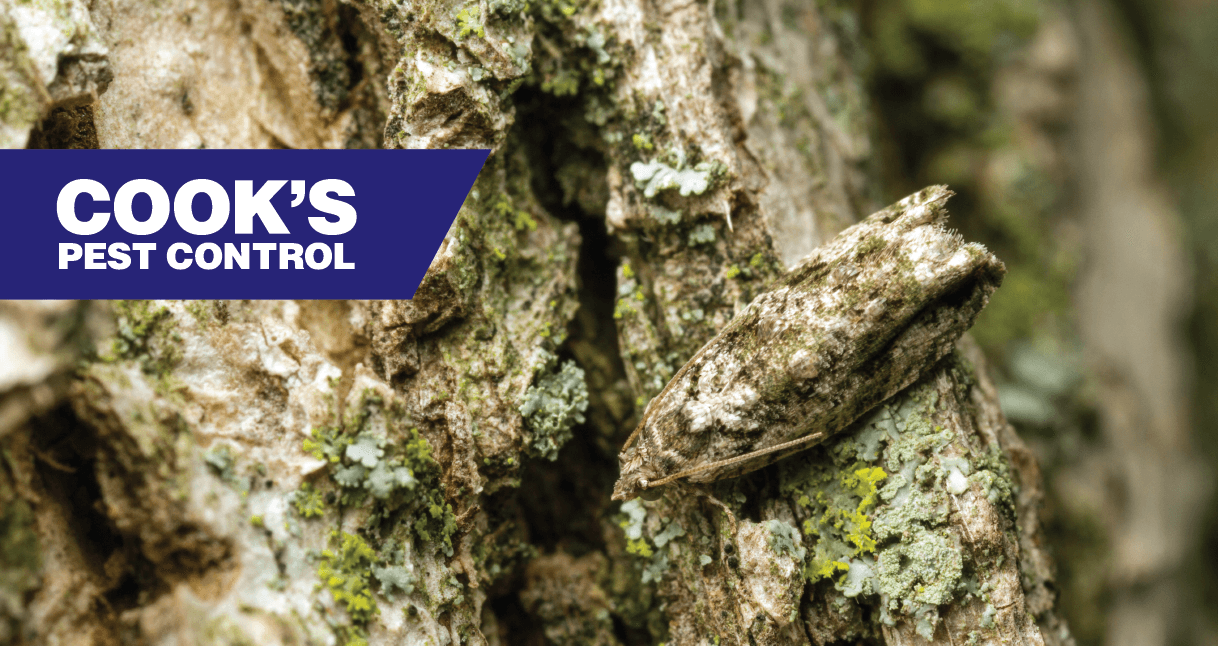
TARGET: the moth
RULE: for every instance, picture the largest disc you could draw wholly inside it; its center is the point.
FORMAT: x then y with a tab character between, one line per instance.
849	326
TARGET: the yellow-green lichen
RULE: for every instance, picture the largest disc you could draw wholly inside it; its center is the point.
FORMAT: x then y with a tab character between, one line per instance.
148	334
875	505
309	502
344	571
376	461
469	21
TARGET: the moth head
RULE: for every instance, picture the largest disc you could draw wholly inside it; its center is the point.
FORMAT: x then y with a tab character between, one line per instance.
636	476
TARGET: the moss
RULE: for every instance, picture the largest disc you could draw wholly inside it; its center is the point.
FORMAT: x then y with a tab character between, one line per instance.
208	313
870	245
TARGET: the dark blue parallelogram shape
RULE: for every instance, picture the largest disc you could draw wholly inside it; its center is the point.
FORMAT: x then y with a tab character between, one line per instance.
404	200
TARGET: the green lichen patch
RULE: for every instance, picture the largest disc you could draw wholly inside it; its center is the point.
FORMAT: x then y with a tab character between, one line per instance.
586	64
653	554
377	461
344	571
552	406
875	506
785	539
469	22
839	502
921	569
665	216
309	502
147	334
223	463
392	571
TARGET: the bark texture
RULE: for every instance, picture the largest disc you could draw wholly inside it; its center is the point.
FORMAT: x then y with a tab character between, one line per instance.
438	471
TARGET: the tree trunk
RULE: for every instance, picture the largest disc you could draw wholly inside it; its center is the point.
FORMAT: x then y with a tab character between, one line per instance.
439	470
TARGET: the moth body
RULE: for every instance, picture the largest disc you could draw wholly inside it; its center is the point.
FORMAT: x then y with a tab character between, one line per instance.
852	324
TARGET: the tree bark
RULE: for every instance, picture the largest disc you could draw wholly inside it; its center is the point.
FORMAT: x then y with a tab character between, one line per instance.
439	470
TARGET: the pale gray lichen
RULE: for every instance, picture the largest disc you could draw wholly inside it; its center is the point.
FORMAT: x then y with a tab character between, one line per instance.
673	531
393	577
552	406
785	539
384	480
654	570
656	176
635	515
350	476
702	234
922	568
366	450
665	216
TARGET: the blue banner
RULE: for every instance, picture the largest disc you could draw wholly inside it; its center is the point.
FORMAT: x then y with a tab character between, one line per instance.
226	224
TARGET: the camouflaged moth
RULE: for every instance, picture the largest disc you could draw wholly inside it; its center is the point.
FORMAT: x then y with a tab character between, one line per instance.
849	326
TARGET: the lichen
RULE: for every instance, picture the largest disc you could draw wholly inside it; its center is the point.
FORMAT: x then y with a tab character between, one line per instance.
365	462
344	571
785	539
875	507
665	216
702	234
469	21
632	523
922	568
391	571
220	458
656	176
552	406
309	502
147	334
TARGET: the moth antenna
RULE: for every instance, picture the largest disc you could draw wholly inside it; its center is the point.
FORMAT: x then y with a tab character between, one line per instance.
738	458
